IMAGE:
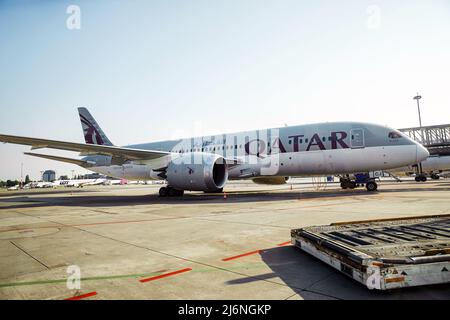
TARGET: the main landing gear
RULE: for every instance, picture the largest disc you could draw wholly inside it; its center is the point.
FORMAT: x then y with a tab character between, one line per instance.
347	183
215	191
170	192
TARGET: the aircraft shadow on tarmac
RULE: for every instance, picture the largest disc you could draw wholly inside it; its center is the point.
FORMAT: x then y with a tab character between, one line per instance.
94	200
310	278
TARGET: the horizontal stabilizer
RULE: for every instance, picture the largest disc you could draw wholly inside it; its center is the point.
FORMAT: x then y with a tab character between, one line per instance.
81	163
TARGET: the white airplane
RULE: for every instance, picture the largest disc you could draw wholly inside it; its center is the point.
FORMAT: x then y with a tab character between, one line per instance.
96	182
432	166
79	183
207	163
115	182
40	184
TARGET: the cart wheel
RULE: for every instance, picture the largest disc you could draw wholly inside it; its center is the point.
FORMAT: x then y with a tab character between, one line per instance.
371	186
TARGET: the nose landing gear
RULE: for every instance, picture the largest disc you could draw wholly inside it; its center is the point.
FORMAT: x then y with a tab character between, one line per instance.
420	178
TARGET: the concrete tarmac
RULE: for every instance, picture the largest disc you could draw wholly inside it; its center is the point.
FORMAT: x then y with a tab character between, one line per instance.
125	242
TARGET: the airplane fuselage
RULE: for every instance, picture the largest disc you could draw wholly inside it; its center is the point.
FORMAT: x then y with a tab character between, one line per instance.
316	149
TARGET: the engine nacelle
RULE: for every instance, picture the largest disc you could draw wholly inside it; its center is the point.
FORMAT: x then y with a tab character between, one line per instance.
197	171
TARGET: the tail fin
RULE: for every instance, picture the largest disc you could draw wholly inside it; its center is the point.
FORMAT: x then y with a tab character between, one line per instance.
92	132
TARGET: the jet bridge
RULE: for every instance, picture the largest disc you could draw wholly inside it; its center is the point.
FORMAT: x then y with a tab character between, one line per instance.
383	254
435	138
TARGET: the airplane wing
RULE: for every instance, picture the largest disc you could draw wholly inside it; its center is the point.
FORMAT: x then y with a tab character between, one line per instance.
88	149
85	149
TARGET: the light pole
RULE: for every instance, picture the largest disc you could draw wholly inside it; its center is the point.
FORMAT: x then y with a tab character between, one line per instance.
421	176
417	98
21	175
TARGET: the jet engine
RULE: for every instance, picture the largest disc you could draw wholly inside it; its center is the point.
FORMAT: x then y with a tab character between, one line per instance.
197	172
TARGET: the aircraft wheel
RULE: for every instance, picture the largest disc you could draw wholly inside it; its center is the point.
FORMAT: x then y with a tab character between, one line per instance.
417	179
172	192
215	191
423	178
371	186
352	185
435	177
163	192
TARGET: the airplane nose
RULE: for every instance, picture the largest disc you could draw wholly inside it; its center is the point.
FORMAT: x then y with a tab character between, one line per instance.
422	153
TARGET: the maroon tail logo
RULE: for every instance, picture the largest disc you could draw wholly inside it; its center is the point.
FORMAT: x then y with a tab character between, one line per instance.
91	134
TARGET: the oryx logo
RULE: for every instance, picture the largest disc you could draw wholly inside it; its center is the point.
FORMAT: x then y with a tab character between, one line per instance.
91	134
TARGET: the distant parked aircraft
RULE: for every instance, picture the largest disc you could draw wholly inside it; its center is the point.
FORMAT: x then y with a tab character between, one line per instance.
432	166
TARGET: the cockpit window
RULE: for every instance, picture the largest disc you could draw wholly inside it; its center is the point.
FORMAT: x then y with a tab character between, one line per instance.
394	135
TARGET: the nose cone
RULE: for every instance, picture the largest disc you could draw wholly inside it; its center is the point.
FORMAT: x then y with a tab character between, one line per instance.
422	153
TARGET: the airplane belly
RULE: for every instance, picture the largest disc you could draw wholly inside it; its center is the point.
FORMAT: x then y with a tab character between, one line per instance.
396	156
309	162
129	172
346	160
372	158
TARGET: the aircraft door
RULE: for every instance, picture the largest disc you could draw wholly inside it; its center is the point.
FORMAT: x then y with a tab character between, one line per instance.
357	138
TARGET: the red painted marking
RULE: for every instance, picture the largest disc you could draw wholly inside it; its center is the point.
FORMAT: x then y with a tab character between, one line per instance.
90	294
241	255
165	275
254	252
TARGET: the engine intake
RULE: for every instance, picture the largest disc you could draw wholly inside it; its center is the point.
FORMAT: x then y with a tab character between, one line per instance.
197	171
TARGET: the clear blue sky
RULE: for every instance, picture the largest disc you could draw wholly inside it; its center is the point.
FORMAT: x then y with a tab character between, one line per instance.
154	70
